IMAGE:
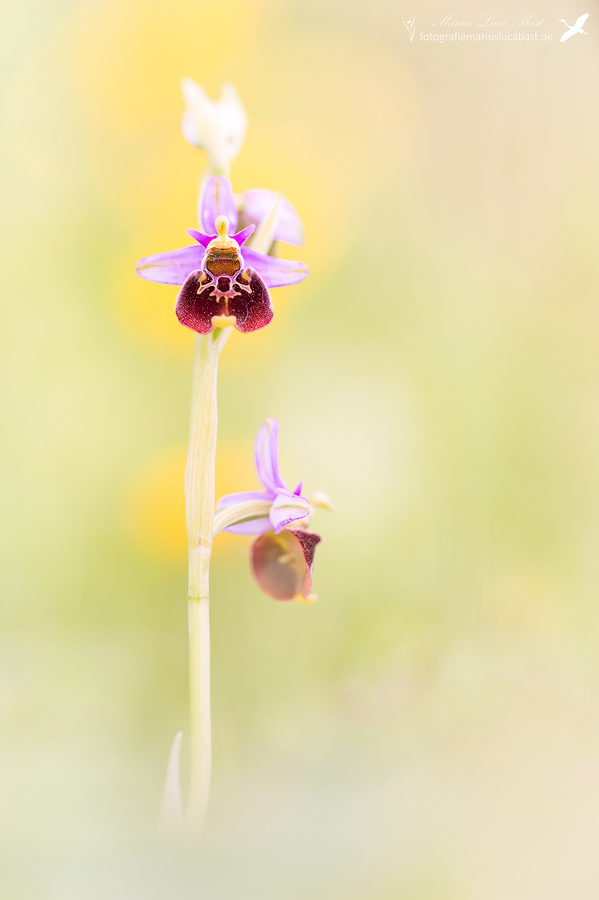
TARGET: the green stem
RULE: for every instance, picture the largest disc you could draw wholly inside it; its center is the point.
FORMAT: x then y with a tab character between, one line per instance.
199	503
201	354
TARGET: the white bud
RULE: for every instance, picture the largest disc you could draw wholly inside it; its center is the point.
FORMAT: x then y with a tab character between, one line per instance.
217	126
321	501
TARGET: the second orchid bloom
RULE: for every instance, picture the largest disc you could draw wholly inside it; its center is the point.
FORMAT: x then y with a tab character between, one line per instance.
283	555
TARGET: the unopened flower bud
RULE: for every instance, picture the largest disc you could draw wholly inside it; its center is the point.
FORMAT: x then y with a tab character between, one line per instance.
320	500
217	126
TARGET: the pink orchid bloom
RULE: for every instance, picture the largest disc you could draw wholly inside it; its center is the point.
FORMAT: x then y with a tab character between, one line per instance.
223	284
283	555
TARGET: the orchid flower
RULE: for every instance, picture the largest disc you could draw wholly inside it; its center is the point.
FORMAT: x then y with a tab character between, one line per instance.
221	284
283	555
216	126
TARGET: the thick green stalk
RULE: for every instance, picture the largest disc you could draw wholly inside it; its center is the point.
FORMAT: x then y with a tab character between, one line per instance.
199	503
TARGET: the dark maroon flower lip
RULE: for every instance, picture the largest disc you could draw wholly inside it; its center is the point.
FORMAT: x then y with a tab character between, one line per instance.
282	564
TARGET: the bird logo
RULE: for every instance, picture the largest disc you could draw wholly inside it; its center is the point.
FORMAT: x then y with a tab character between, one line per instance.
574	29
410	26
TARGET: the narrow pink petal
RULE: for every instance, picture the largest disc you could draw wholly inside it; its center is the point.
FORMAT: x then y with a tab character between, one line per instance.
242	236
172	267
204	239
275	272
200	237
258	204
266	456
218	200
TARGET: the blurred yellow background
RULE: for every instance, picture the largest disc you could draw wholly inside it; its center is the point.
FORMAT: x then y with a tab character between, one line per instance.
430	729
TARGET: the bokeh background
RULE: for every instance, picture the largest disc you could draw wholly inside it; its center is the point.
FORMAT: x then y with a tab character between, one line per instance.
429	730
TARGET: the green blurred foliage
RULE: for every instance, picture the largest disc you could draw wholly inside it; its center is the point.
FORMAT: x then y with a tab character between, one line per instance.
430	728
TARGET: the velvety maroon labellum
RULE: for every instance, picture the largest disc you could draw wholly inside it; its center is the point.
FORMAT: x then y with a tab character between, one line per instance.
206	296
282	563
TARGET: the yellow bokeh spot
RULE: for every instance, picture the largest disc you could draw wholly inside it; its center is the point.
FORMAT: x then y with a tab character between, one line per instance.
282	159
129	58
146	311
154	504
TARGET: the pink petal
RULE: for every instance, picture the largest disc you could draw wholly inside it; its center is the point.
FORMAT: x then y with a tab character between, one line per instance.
256	526
172	267
275	272
242	236
200	237
204	239
258	204
242	497
218	200
266	456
